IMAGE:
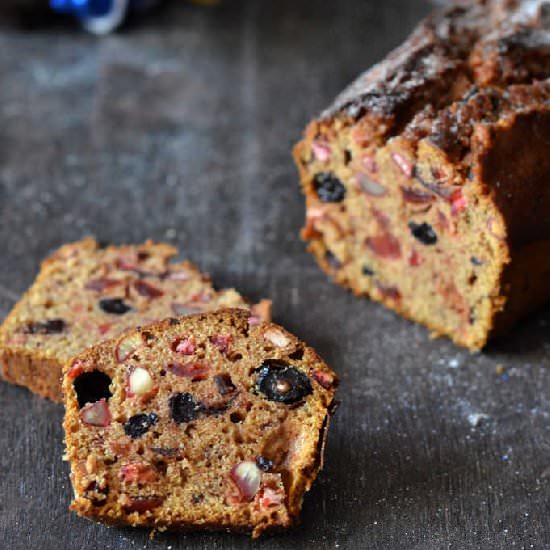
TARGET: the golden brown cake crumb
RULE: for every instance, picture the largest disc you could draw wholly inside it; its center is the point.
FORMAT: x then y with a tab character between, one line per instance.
202	422
86	293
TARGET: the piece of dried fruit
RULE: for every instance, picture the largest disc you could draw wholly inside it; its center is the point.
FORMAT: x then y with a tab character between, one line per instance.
185	346
140	382
321	151
147	290
423	232
385	246
104	328
51	326
264	463
247	477
415	259
369	186
224	384
184	408
76	369
416	197
195	371
405	165
140	424
391	292
128	345
102	283
271	498
143	503
328	187
137	472
221	341
458	201
282	383
96	414
276	337
366	270
325	379
114	306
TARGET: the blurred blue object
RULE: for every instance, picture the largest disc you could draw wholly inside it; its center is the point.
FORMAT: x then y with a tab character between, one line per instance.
100	16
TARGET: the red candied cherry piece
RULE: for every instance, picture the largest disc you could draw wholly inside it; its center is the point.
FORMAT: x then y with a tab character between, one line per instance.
458	201
137	472
325	379
125	264
195	371
76	369
247	477
104	328
184	346
271	498
415	259
147	290
96	414
221	341
385	246
403	164
389	292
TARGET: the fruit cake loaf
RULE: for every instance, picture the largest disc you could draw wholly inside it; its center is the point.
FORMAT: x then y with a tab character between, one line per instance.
427	182
85	293
201	422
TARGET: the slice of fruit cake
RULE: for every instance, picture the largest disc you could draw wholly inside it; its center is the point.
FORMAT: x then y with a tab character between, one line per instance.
202	422
86	293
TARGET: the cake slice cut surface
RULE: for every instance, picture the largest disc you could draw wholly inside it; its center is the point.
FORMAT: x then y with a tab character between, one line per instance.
202	422
86	293
427	182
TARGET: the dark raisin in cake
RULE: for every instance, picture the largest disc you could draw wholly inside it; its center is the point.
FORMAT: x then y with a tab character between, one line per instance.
85	293
428	180
202	422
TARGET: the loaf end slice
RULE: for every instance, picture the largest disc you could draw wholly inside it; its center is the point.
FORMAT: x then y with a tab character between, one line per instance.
86	293
427	181
202	422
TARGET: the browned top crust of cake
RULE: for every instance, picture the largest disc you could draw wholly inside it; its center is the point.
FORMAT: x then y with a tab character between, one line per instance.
448	57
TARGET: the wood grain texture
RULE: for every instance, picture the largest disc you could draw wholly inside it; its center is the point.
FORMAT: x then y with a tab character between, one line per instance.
180	129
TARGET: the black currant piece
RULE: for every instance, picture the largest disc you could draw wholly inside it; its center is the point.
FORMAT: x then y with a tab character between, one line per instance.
114	306
51	326
329	188
139	424
423	232
264	463
366	270
282	383
184	408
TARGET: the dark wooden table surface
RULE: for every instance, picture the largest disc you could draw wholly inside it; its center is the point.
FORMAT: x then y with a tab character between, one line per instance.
180	129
